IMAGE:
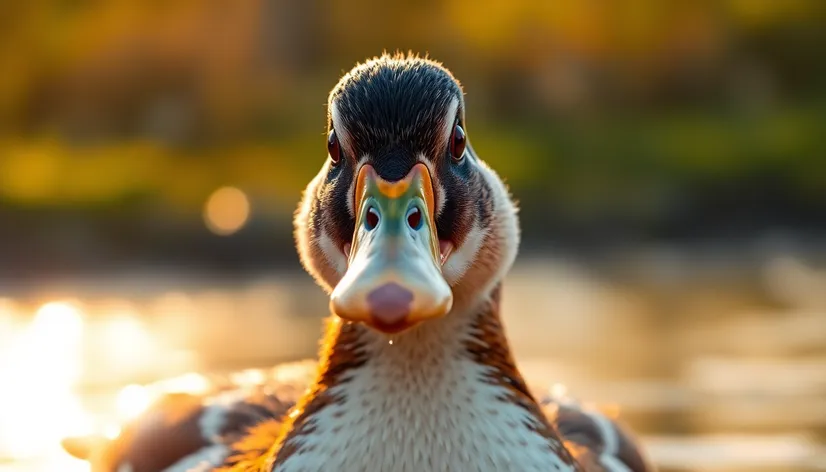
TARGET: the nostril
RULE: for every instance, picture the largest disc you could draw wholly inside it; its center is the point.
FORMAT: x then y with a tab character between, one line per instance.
390	303
372	219
414	218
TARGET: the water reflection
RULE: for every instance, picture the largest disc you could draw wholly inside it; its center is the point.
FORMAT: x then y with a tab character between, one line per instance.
56	372
39	369
725	382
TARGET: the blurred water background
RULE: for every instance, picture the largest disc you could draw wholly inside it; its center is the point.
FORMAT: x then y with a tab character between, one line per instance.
669	159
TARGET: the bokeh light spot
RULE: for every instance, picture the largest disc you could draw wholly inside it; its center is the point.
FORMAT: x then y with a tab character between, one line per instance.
132	401
226	211
61	319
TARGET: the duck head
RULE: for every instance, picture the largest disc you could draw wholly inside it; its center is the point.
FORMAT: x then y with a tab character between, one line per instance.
404	223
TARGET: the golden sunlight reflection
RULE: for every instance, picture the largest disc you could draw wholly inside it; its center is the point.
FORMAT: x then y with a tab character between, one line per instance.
38	370
227	211
51	353
248	377
132	401
192	383
127	343
111	431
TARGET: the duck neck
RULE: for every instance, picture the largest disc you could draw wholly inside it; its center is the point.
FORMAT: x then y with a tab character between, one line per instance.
443	394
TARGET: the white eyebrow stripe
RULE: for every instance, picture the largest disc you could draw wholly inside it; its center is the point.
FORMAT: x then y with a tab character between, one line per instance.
448	120
342	133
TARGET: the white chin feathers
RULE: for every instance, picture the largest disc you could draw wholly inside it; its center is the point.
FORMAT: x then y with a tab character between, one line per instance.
463	256
333	254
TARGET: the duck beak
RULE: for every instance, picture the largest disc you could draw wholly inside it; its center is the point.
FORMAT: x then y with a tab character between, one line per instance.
394	277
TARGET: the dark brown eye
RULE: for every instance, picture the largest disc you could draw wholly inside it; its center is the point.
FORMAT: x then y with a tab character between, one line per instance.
457	143
333	147
414	218
372	219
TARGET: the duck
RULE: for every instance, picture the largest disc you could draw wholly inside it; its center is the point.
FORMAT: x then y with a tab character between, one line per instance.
184	426
411	234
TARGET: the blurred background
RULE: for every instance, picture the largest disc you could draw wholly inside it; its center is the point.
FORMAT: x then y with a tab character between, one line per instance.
669	159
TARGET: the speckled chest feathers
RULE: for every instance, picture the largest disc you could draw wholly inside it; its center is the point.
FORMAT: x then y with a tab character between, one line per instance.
445	396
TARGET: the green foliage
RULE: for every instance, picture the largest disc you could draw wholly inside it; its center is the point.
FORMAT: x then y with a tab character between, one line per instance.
590	105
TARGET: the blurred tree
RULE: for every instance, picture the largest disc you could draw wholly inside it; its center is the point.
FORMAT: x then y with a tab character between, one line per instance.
632	113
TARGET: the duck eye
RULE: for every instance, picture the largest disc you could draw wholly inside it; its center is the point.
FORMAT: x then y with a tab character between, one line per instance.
414	218
372	219
333	147
457	143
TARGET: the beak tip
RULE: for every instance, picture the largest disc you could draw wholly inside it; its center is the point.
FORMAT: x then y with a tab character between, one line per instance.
390	308
390	303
